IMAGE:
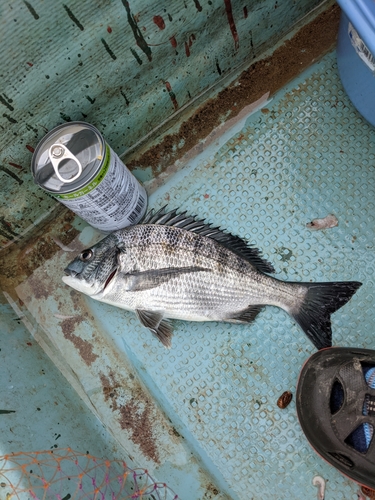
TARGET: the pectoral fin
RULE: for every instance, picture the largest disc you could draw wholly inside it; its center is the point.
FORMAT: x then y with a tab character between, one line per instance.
138	281
161	328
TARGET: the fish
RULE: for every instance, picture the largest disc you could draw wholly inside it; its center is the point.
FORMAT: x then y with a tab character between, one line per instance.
176	266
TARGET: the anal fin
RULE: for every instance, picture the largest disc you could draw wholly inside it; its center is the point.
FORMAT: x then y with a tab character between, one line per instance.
161	328
245	316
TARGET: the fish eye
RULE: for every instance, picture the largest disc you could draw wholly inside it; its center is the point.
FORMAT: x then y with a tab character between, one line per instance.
86	255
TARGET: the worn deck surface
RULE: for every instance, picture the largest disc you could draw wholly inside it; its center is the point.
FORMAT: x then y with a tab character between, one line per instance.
305	154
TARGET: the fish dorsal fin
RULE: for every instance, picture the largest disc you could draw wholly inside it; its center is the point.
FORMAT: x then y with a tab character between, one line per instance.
195	225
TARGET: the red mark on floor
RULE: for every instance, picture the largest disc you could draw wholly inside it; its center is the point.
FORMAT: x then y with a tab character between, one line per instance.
173	42
109	29
206	196
171	95
159	21
189	44
245	14
232	25
30	148
187	49
30	64
29	343
15	165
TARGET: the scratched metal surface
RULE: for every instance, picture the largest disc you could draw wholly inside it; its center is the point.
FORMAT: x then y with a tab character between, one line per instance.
122	66
307	154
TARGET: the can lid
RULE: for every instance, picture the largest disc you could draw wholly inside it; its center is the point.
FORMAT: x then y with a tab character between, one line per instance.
68	157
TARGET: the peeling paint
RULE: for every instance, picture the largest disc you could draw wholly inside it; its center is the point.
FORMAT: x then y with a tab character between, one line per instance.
68	325
159	21
137	418
172	95
18	262
135	415
84	347
270	74
232	25
173	41
39	289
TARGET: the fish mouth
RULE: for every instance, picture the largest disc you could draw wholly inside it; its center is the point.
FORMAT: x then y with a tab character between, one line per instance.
70	272
110	277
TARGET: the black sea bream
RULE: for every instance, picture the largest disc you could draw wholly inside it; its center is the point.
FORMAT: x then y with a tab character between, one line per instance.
176	266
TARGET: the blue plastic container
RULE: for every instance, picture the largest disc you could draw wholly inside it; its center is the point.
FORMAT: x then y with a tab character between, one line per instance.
356	54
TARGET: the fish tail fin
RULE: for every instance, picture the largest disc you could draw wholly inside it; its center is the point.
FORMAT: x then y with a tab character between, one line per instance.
320	301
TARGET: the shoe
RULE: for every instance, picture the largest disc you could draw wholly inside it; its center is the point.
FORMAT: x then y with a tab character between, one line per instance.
335	401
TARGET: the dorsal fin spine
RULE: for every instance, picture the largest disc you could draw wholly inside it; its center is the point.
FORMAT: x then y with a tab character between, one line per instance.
198	226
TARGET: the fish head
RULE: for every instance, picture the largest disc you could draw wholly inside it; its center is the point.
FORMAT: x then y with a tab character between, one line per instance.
94	268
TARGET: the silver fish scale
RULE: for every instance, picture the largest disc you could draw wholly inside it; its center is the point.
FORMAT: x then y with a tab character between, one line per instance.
178	247
227	285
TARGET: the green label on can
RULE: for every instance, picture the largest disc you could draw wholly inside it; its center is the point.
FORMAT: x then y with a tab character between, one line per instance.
93	184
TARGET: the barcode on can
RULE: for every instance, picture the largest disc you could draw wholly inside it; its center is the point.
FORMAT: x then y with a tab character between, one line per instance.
361	48
138	209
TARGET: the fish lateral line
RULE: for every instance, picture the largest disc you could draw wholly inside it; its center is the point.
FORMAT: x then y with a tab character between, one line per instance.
138	281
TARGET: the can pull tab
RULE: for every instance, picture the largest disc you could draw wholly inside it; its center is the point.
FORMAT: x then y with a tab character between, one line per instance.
57	153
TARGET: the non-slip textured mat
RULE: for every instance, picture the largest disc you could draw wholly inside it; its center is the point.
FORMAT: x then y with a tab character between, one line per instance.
307	155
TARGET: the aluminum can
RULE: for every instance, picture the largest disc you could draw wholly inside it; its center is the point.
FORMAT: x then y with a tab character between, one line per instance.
74	164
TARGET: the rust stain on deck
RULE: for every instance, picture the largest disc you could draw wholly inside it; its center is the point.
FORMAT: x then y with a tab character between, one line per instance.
84	347
136	415
308	45
21	259
40	289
